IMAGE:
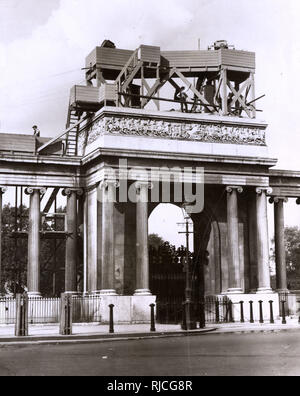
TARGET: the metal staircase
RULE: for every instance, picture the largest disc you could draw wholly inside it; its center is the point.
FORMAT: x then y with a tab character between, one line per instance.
71	138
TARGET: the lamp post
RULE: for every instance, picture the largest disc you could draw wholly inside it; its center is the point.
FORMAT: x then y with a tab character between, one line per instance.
188	289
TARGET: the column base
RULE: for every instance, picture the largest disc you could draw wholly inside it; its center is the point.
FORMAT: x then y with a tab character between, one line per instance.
108	292
127	309
236	290
252	291
34	294
264	290
75	293
142	292
286	291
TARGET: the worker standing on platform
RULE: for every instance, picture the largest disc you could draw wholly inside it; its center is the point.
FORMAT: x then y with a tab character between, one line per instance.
36	131
181	97
209	94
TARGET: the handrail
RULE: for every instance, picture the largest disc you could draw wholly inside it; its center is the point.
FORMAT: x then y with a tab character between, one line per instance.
69	112
55	139
135	53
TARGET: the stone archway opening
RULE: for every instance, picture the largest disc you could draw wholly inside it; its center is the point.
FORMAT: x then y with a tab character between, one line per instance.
167	260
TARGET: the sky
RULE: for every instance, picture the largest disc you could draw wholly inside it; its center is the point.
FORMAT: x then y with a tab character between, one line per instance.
43	45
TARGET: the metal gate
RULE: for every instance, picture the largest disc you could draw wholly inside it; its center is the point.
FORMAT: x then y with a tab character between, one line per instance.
167	282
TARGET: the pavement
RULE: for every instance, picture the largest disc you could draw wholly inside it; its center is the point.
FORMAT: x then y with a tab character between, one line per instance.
49	333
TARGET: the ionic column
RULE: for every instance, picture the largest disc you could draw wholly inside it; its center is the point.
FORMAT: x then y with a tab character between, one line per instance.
233	239
71	241
281	278
264	283
2	191
33	268
108	191
142	258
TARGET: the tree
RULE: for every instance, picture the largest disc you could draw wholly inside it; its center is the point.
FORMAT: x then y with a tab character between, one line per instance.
15	253
292	256
155	241
14	250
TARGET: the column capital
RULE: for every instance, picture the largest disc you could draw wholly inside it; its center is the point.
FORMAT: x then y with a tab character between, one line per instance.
230	189
3	189
105	184
68	191
278	199
140	184
31	190
266	190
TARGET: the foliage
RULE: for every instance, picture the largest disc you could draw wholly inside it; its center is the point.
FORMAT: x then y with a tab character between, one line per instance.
15	256
165	255
292	255
155	241
292	250
14	250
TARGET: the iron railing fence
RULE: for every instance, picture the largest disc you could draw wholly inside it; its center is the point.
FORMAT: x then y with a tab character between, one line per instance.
85	309
43	310
7	310
169	310
291	301
216	309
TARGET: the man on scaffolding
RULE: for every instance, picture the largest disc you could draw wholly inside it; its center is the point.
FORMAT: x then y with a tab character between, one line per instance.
181	96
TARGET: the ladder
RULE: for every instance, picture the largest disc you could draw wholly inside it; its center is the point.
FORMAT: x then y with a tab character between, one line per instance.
128	72
71	139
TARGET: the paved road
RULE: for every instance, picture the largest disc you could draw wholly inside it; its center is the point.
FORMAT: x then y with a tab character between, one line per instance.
211	354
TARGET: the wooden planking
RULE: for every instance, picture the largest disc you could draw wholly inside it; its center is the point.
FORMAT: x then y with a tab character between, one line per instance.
81	93
224	57
108	56
17	143
150	54
117	58
91	59
108	92
237	58
190	58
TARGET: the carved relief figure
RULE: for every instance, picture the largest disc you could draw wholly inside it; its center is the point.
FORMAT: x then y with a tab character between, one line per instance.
206	132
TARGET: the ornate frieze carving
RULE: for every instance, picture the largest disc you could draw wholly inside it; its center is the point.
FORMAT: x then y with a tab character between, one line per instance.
170	129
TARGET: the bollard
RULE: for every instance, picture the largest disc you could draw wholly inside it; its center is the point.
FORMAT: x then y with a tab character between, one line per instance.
111	318
217	311
231	320
66	310
152	328
261	315
283	312
226	311
271	312
21	327
183	324
202	320
251	312
242	312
